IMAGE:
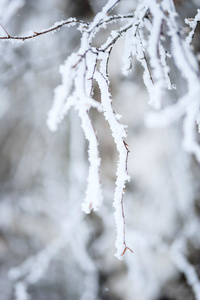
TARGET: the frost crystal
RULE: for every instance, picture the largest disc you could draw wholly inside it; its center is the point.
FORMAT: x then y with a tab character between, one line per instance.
89	63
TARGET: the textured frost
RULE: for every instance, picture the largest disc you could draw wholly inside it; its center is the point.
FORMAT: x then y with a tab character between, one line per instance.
193	24
119	133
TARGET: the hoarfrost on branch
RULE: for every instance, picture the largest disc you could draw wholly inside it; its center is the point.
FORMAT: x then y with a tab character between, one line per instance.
147	33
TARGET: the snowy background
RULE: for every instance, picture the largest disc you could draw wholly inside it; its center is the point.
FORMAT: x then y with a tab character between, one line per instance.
49	248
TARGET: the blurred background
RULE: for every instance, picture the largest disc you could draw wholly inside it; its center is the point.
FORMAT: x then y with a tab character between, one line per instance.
51	250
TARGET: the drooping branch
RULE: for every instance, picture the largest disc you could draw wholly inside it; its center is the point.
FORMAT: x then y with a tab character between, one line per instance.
119	133
187	64
89	63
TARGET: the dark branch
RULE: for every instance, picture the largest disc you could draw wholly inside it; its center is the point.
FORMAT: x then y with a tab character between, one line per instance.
5	30
62	24
51	29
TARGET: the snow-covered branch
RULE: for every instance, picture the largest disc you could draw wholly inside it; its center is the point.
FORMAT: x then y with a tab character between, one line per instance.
145	36
153	36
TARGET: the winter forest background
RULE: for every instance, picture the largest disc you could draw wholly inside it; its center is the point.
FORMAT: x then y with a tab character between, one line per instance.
145	56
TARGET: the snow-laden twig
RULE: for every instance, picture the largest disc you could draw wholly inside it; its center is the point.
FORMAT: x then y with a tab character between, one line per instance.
76	90
184	58
83	90
137	19
186	62
93	197
157	54
77	77
102	16
140	54
81	68
60	106
68	23
143	31
156	71
193	25
119	134
153	50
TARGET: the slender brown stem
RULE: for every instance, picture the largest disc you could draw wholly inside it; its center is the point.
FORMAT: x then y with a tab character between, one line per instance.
35	34
8	35
122	207
145	58
115	39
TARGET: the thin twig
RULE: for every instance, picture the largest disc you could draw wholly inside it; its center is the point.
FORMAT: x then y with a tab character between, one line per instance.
122	206
117	17
116	38
64	23
145	58
8	35
35	34
109	10
124	229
